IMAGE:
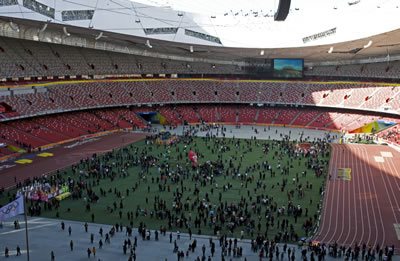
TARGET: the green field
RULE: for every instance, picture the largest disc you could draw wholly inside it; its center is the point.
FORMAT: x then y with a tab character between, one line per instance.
143	187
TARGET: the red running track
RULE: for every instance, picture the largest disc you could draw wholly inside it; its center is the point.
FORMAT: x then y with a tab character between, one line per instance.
64	157
364	209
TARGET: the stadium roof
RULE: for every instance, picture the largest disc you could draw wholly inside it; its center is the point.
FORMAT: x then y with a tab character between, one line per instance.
314	30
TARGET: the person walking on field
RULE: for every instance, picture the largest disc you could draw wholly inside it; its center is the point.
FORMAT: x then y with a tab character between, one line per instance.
71	244
53	257
69	230
89	252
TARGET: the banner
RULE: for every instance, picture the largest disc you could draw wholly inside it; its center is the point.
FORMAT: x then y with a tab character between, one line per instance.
12	209
373	127
193	158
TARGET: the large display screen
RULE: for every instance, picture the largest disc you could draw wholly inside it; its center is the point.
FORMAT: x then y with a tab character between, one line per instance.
288	68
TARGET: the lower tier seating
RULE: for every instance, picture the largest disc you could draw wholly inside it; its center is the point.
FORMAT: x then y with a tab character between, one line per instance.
34	132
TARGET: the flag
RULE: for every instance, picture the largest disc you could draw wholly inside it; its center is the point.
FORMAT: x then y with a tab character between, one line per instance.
12	209
193	158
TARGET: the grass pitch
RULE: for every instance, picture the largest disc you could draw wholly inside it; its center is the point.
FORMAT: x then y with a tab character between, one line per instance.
143	187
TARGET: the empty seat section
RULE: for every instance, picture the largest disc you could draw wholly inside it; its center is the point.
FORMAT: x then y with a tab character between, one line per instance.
21	138
95	120
188	114
38	131
53	122
159	91
270	92
226	91
293	92
117	92
305	117
248	91
267	115
227	113
97	94
208	113
139	92
170	114
77	94
205	90
247	114
286	116
130	116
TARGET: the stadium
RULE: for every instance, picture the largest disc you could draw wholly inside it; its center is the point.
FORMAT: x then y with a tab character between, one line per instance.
204	130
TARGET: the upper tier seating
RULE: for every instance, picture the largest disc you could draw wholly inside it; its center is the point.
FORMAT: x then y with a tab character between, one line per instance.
248	91
139	92
226	91
372	70
117	92
159	91
270	92
93	94
97	94
20	105
181	90
77	94
292	92
23	58
205	90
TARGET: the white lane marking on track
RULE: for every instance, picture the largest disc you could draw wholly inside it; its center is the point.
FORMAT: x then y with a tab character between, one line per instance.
369	178
386	154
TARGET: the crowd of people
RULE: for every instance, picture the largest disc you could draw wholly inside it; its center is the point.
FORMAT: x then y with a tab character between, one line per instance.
254	213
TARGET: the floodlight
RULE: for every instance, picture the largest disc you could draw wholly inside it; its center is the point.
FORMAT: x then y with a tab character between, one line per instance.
148	44
330	49
14	27
99	36
66	32
191	49
262	52
368	44
44	28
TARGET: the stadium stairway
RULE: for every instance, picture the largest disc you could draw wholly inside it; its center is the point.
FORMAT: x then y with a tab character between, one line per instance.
295	118
308	124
